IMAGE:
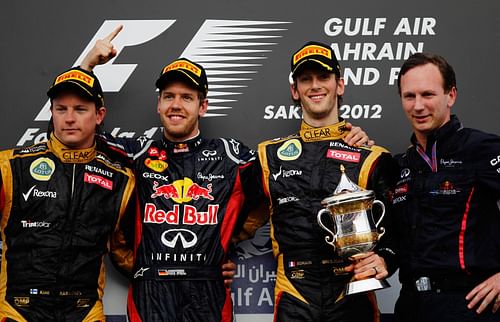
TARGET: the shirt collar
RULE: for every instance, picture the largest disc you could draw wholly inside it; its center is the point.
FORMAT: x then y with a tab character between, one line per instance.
335	131
68	155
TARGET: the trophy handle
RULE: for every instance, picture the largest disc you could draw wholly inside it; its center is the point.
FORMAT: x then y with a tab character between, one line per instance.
329	239
382	229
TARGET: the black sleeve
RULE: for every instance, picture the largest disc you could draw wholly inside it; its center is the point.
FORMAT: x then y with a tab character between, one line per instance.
255	211
121	254
382	181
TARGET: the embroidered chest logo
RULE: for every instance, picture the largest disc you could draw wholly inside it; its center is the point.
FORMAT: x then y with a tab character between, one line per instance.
42	169
290	150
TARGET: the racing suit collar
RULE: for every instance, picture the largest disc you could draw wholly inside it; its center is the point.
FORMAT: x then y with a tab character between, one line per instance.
68	155
335	131
182	147
452	126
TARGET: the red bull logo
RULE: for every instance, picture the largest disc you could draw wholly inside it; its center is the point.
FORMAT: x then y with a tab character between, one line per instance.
190	215
195	191
182	191
167	190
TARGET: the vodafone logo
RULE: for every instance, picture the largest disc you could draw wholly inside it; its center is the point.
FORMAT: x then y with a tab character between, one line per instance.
343	155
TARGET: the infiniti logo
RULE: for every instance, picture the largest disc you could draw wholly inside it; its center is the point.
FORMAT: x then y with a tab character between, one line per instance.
170	237
209	153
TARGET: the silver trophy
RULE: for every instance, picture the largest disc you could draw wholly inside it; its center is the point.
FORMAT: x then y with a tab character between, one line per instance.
355	231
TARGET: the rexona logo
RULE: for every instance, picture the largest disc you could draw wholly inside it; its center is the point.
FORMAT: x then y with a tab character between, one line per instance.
230	50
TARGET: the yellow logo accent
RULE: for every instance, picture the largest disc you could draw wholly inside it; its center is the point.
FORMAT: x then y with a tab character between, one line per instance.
75	75
290	150
42	169
312	50
156	165
182	64
21	301
182	185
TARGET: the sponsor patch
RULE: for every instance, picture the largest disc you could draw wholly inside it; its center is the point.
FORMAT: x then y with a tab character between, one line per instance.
402	189
343	155
166	190
495	161
84	302
190	216
182	64
209	177
339	271
140	272
98	180
297	274
22	301
156	165
450	163
287	200
446	188
35	224
181	147
290	150
75	75
155	152
185	237
311	50
42	169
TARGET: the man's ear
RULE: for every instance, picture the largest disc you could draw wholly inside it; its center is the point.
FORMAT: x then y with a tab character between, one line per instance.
101	114
203	107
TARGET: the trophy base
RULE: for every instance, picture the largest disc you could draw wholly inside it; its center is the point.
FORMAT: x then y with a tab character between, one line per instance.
366	285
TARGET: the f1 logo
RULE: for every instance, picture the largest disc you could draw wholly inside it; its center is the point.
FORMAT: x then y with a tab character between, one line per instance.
213	46
113	77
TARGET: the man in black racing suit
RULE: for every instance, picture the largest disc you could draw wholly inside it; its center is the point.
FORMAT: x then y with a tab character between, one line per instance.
301	170
191	194
62	203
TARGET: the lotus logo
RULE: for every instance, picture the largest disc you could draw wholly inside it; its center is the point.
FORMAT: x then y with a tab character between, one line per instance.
170	238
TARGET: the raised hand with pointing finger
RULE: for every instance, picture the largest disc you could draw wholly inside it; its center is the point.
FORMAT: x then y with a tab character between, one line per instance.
102	52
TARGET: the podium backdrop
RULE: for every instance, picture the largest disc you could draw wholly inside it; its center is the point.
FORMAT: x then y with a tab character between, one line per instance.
245	47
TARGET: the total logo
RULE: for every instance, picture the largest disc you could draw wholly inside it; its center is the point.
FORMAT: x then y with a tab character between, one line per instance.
343	155
98	180
182	191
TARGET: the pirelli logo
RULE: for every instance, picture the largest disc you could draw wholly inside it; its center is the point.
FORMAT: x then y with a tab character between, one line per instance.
75	75
182	64
312	50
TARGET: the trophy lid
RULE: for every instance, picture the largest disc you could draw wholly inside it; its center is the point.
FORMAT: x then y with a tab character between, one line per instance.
347	191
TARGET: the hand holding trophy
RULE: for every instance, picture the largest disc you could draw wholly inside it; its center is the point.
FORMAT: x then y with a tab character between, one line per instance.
355	230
